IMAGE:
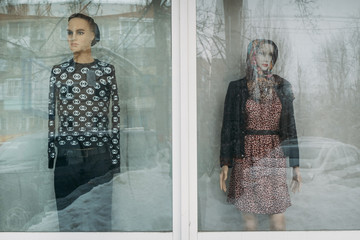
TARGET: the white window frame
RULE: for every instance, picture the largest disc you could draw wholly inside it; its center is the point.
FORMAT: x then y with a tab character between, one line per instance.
184	152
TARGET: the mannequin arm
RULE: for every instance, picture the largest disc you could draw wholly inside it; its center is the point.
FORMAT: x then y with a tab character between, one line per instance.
223	177
296	180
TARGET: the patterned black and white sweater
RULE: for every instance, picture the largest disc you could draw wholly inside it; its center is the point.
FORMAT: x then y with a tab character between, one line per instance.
79	99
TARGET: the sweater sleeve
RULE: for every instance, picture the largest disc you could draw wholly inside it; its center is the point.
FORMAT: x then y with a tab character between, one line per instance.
51	121
226	148
115	116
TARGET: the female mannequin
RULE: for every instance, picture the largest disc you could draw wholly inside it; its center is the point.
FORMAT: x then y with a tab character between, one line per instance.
88	150
258	119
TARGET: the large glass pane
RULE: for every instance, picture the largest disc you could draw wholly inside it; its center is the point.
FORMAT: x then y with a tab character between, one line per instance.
318	53
135	40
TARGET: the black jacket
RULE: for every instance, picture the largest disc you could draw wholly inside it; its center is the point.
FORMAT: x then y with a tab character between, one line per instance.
234	122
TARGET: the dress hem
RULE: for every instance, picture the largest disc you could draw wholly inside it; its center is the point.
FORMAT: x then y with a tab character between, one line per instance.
235	202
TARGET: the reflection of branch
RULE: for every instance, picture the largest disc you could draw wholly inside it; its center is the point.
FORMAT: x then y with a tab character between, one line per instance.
98	8
135	37
220	41
146	9
206	44
202	44
340	65
305	7
86	5
209	28
219	51
51	33
18	46
45	12
117	56
78	3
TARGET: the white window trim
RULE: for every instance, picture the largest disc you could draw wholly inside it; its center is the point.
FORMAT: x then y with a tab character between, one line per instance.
176	118
184	151
293	235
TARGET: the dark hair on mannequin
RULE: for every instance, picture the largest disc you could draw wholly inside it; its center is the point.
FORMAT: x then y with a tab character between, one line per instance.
92	24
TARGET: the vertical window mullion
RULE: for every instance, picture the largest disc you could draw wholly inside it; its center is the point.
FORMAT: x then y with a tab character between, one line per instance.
193	196
176	114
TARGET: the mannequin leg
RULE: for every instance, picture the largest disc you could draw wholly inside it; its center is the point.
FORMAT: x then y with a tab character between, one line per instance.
250	221
277	222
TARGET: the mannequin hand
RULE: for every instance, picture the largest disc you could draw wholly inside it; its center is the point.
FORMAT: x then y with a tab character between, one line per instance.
296	180
223	177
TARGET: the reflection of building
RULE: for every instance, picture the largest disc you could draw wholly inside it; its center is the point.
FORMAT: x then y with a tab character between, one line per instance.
31	43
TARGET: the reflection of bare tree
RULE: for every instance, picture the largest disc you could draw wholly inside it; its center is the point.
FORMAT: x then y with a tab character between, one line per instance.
220	33
37	32
162	59
220	52
43	9
234	31
339	66
336	68
210	33
339	60
306	9
224	29
17	9
83	6
262	24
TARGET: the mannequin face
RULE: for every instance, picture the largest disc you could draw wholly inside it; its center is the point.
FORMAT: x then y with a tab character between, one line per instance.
264	56
79	35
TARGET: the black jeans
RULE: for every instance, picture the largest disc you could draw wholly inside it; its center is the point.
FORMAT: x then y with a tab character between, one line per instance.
77	172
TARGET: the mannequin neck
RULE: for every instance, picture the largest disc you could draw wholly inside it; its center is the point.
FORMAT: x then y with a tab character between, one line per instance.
83	57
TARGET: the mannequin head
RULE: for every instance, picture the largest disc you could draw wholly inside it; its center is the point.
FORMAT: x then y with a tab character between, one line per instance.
83	33
262	54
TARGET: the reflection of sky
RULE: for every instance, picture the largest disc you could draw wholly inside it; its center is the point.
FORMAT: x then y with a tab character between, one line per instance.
324	8
328	18
67	1
343	8
96	7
